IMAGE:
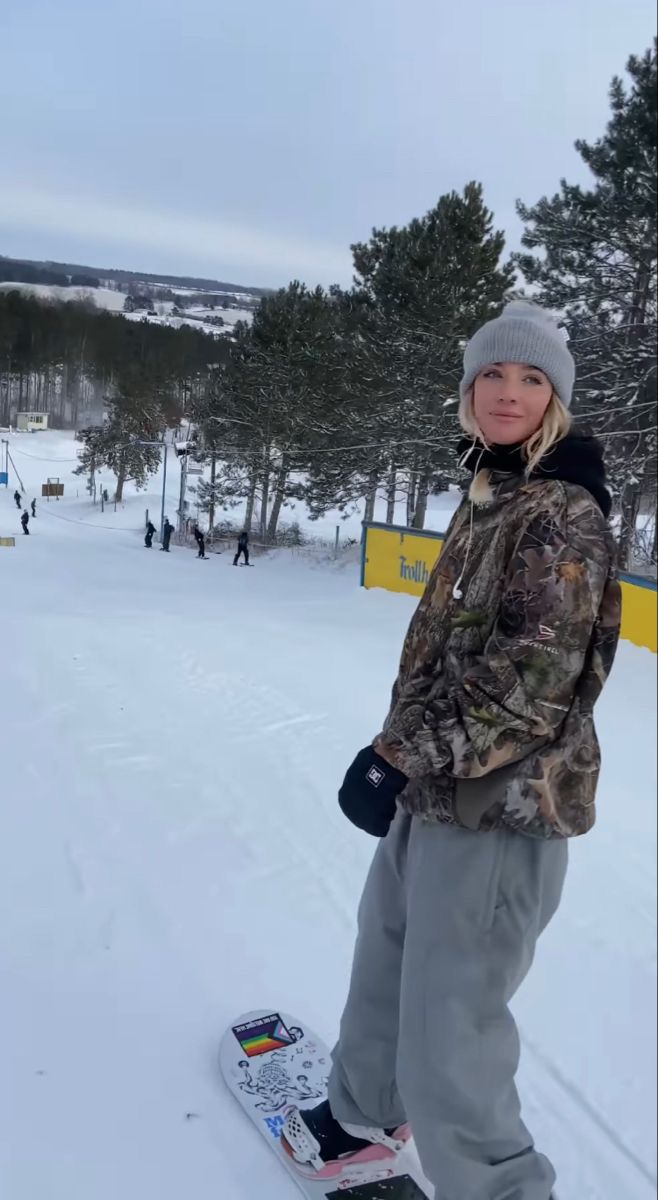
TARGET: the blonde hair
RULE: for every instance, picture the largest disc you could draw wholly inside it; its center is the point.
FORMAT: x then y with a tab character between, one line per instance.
555	425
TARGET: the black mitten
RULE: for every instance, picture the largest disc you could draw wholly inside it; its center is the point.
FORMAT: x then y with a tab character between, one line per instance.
369	792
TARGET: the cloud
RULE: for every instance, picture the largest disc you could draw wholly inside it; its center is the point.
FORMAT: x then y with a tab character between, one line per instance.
212	244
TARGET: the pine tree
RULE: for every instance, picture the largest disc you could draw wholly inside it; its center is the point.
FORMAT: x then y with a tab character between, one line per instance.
593	259
266	411
420	292
121	442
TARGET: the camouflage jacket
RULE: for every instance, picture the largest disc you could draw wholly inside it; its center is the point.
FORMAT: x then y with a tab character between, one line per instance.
492	712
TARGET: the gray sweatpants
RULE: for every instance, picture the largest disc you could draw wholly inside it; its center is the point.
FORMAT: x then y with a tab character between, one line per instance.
448	924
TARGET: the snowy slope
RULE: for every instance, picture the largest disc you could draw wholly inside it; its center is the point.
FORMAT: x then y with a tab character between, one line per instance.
172	734
55	453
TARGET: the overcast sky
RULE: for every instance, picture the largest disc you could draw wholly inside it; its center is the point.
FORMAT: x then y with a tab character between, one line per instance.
253	140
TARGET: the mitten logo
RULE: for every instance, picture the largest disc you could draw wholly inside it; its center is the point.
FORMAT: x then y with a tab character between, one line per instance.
375	776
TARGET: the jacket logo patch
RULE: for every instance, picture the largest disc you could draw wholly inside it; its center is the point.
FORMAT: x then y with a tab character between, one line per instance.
375	776
545	634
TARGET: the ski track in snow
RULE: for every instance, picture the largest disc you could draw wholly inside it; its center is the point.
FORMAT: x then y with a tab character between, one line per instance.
172	853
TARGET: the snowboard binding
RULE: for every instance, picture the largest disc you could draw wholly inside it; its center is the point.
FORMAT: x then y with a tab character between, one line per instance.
314	1138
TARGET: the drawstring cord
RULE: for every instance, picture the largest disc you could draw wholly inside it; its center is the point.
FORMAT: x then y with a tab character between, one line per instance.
457	593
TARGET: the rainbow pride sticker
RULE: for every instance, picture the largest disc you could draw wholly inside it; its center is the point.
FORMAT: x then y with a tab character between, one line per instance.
263	1035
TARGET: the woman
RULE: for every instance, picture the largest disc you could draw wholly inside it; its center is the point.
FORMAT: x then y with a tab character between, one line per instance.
490	755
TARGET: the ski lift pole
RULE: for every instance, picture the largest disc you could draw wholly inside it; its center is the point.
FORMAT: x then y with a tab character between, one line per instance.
181	501
9	460
164	489
162	445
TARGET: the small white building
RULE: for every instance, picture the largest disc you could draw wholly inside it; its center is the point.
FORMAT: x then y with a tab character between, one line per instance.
31	422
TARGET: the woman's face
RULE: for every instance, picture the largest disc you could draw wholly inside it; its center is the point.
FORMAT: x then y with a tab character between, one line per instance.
509	400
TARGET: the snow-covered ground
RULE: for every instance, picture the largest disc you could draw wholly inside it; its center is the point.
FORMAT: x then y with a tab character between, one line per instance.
230	316
194	317
172	734
113	301
102	297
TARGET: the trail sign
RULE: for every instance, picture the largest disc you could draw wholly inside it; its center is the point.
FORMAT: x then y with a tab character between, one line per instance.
52	488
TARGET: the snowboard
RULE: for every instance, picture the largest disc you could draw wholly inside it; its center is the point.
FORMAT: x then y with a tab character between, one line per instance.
271	1062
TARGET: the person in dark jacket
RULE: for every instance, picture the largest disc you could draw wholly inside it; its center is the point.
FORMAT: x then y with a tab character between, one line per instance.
166	534
243	549
33	506
18	499
148	540
200	541
486	766
25	521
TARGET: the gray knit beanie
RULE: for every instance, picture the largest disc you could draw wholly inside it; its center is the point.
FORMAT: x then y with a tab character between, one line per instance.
523	333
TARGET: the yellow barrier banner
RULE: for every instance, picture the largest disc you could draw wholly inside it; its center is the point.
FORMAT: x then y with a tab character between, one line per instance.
401	560
639	611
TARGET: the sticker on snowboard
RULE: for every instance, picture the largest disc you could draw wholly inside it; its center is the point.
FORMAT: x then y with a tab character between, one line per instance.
272	1062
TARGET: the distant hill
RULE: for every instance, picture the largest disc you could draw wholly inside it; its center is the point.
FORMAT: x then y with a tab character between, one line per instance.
76	274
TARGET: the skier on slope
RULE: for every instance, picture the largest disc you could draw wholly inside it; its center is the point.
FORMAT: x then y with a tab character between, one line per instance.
487	763
148	537
200	541
18	499
167	531
243	549
33	506
25	521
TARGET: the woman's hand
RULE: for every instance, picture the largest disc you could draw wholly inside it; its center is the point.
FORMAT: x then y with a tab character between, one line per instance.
370	790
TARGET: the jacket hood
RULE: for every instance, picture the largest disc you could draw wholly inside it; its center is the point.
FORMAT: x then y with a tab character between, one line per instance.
577	458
